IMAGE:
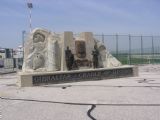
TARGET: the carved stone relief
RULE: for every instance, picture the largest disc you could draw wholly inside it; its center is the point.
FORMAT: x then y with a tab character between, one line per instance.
80	49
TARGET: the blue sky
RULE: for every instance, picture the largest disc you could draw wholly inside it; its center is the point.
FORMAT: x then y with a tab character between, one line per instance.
97	16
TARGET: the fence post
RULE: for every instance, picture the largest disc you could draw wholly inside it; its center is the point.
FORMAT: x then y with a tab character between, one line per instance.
142	50
117	54
129	49
152	49
102	38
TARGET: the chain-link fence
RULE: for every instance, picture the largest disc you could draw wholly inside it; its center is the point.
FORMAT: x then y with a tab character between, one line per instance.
132	49
7	65
9	61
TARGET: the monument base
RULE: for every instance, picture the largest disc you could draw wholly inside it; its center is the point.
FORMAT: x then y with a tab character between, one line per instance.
39	78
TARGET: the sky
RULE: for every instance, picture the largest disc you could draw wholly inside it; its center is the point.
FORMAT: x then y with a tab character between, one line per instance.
97	16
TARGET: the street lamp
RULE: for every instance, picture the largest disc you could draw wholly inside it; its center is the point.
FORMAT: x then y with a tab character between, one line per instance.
30	6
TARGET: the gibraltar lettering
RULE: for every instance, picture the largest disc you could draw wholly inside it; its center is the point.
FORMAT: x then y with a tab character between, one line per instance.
81	76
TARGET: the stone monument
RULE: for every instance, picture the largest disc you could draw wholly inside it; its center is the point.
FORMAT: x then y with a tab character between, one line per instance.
41	52
54	58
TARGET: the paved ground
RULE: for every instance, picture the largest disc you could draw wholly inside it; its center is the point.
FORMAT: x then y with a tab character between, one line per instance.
133	98
7	70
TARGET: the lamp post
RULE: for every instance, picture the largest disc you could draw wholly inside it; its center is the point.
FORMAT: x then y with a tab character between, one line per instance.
30	6
23	37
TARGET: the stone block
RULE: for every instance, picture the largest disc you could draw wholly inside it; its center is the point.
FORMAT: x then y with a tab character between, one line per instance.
88	37
34	79
67	41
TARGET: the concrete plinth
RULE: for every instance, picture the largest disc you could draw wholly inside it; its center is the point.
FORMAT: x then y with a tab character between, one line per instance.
39	78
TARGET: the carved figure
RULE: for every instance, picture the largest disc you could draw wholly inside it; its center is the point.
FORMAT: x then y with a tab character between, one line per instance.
95	54
38	61
38	37
41	50
69	58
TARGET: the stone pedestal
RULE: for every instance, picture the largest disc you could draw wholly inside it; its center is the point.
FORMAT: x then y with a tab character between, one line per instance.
34	79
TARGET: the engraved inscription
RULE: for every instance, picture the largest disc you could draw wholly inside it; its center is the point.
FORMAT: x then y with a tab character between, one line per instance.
91	75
